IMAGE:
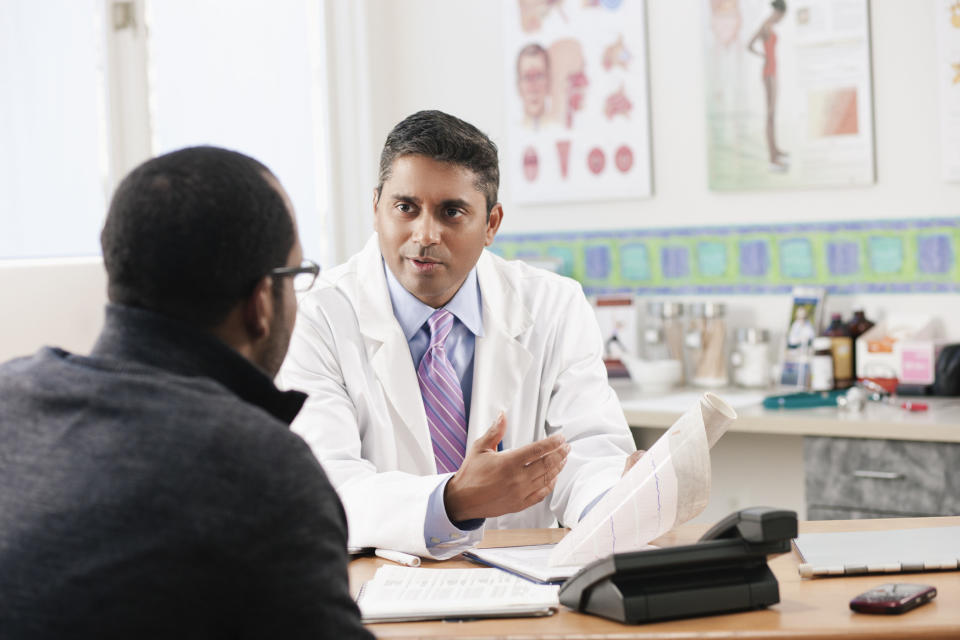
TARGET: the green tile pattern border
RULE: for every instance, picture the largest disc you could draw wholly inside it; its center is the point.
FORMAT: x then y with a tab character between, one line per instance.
845	257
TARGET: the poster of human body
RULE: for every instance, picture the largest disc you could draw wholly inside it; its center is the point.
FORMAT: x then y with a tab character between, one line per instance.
577	104
789	93
948	77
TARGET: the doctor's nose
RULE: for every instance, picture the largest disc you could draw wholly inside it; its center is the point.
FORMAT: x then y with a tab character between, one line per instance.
426	231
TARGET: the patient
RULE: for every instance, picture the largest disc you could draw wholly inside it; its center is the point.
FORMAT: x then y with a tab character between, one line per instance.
153	488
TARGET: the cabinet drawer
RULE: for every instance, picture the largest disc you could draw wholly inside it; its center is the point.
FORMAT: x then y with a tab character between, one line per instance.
881	478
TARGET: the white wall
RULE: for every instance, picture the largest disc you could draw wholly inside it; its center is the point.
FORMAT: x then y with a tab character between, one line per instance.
448	55
51	302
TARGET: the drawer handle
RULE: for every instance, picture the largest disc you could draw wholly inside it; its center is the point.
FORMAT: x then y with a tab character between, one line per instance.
877	475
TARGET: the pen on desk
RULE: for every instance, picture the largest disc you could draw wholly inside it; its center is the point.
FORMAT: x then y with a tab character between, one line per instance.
399	557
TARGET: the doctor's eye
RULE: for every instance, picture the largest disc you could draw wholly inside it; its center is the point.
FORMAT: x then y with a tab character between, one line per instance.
404	207
452	212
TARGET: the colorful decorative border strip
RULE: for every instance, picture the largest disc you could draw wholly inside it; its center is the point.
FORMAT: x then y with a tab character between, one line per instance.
889	256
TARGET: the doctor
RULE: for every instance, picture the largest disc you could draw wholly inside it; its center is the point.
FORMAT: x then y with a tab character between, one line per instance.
451	389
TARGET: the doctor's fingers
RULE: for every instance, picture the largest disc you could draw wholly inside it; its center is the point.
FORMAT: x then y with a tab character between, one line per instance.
542	471
539	494
632	460
532	452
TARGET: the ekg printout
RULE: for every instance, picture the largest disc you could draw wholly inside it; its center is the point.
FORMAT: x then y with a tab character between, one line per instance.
669	485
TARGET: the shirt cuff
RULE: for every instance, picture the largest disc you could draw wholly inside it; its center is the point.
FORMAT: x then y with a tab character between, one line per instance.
439	532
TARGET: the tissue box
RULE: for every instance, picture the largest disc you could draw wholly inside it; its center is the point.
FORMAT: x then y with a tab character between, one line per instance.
918	361
902	348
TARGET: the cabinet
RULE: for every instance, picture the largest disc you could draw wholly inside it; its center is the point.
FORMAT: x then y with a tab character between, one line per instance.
847	478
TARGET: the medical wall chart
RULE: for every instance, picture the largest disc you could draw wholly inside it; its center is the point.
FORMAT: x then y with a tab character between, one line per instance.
577	104
789	93
669	485
876	256
948	79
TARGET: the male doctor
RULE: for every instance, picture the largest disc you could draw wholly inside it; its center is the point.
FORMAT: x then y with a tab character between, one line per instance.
451	389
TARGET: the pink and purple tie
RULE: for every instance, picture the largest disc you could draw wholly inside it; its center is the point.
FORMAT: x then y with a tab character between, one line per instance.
443	397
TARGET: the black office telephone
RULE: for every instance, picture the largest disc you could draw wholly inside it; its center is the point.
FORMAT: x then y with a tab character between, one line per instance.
726	570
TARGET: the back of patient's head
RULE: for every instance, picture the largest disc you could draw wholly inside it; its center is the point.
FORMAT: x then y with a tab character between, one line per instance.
444	138
191	232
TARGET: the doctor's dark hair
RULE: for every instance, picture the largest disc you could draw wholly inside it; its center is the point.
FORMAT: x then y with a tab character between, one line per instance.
444	138
190	233
779	5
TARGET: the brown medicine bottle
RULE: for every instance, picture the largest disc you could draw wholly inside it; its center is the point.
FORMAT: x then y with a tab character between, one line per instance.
841	346
858	326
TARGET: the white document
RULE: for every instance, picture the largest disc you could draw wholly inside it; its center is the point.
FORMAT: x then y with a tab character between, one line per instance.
529	561
669	485
413	593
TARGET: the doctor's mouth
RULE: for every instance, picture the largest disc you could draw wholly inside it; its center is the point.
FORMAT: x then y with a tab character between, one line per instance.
425	265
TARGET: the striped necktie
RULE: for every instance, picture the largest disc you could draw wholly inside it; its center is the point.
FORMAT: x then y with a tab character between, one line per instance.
443	397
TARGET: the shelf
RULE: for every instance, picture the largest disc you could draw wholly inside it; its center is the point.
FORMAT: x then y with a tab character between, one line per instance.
941	423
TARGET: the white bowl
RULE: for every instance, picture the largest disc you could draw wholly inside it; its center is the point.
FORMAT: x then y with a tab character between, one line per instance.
654	376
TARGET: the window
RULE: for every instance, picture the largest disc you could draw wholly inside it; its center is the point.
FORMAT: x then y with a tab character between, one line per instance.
245	74
53	128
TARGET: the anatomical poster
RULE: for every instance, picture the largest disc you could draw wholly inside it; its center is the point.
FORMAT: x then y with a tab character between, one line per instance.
948	78
789	93
578	121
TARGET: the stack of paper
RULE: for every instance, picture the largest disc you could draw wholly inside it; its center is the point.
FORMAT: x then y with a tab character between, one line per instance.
669	485
398	594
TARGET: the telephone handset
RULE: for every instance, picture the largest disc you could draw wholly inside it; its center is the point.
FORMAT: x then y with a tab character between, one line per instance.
726	570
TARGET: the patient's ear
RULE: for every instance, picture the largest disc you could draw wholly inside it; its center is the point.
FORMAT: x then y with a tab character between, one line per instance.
258	310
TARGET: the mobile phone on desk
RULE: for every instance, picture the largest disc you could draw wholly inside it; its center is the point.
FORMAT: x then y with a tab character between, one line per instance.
895	597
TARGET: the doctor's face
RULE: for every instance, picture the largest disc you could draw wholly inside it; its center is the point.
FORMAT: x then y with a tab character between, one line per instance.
432	224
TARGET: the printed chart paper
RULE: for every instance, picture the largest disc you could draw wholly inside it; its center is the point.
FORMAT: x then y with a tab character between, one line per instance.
408	593
669	485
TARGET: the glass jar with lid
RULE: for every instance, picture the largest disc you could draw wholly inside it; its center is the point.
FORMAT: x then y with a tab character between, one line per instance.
707	345
663	331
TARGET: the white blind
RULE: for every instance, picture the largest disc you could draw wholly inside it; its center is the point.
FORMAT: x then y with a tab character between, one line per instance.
245	75
53	138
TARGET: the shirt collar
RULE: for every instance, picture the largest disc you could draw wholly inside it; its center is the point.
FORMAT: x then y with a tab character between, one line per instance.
411	313
136	335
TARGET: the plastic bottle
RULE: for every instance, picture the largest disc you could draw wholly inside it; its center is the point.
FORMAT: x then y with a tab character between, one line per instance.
821	366
841	346
751	358
858	326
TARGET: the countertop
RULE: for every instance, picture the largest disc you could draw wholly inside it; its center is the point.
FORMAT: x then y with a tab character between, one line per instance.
940	423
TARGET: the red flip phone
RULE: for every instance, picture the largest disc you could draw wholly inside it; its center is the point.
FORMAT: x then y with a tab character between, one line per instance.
893	598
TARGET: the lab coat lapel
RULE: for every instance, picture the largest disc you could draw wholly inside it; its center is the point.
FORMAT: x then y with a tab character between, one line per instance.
500	359
388	352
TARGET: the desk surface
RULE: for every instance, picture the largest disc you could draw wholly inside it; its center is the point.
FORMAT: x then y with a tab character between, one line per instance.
941	423
816	608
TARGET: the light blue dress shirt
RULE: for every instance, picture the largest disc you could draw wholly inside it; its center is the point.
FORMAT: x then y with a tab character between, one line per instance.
412	315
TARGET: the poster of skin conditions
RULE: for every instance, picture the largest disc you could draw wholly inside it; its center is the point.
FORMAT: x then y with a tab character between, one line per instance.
789	93
577	103
948	77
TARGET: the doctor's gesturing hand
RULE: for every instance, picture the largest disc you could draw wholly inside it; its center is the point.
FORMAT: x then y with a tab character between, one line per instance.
492	483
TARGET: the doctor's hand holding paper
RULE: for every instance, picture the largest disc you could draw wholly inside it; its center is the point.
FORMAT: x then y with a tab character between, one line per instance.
451	390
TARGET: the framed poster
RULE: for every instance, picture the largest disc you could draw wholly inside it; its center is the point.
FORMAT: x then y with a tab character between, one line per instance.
789	93
948	78
578	124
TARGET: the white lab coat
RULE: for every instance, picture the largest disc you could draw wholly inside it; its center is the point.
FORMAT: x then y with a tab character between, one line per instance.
539	361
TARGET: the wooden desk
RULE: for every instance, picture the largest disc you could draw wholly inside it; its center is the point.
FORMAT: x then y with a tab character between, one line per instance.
808	609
